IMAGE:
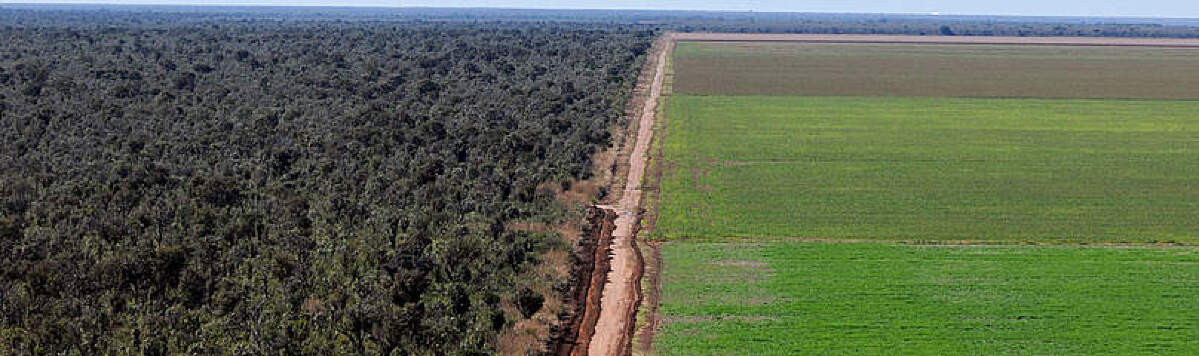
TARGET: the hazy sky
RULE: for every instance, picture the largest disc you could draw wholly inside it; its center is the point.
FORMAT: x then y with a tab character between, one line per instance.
1156	8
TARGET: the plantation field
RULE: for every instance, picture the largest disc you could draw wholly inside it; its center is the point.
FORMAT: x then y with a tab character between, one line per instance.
936	169
878	298
937	70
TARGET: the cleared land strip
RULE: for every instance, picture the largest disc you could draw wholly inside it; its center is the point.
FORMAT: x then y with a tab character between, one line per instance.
622	291
974	40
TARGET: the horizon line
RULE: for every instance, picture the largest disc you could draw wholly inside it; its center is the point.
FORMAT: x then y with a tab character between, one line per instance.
544	8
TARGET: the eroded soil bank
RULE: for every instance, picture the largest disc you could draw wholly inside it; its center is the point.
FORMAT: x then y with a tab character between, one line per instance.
587	283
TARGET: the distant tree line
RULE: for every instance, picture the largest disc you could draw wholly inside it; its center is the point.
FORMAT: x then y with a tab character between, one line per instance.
883	26
685	21
747	22
321	187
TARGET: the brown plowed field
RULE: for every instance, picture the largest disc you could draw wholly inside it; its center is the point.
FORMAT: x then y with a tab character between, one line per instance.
839	66
993	40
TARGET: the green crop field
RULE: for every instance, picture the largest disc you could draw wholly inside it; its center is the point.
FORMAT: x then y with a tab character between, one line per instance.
937	70
874	298
931	169
881	198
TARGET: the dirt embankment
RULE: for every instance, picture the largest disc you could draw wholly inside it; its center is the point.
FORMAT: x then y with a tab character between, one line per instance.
587	283
652	295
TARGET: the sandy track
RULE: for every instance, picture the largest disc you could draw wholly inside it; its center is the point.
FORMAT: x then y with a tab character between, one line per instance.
618	305
973	40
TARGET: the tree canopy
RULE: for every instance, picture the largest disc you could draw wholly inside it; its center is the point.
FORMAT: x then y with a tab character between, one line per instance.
299	188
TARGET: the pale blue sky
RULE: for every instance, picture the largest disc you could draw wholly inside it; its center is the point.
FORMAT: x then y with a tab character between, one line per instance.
1151	8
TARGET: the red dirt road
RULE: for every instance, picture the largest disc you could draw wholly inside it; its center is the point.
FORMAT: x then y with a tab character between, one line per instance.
613	331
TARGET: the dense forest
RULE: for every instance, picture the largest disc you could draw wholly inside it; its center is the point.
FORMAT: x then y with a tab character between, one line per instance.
322	187
307	181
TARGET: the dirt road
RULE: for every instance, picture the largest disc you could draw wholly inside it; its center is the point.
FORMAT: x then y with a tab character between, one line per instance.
621	293
974	40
